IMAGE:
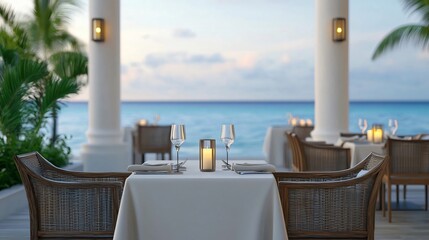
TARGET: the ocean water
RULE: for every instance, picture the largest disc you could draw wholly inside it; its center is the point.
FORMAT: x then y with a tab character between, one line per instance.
251	120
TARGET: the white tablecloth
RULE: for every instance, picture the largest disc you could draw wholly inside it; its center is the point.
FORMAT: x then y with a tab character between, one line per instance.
200	206
359	151
276	147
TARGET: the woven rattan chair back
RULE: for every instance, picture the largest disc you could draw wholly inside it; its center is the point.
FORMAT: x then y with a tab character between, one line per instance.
408	156
69	205
318	157
328	205
409	164
152	139
302	132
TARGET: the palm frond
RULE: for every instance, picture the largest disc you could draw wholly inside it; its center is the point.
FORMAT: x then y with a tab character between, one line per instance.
7	14
69	65
418	34
55	90
14	86
418	6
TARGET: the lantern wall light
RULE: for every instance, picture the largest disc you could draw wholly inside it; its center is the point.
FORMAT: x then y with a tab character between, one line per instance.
339	29
98	30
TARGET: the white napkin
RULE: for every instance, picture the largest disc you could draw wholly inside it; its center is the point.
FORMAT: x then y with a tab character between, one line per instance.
253	167
165	167
342	140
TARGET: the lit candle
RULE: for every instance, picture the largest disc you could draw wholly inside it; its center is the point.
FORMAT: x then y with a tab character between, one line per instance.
143	122
294	121
369	135
207	155
378	135
207	158
302	122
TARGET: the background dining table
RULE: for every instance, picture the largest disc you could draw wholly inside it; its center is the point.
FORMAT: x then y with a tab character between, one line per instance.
359	150
201	205
276	147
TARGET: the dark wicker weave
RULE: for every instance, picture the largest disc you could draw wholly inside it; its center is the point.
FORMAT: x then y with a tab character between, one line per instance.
328	205
69	205
152	139
308	156
409	164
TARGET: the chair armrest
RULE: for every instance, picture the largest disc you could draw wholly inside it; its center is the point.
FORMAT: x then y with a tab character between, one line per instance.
316	176
59	174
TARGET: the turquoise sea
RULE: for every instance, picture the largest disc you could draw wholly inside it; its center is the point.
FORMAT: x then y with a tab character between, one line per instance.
251	119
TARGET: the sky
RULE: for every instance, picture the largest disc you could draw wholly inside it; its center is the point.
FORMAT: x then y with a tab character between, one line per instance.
251	50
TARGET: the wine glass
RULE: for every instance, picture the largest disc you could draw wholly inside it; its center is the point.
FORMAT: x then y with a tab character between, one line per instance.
177	137
227	136
363	124
393	126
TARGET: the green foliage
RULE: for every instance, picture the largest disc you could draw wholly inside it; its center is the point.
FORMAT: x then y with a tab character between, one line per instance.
34	75
416	33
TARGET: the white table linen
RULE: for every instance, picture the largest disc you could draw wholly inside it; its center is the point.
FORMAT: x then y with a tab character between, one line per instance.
359	150
276	147
201	205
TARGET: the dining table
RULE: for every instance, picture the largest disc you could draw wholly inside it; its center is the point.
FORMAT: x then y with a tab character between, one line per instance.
359	150
200	205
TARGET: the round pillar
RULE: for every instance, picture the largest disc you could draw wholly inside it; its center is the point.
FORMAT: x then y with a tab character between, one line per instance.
331	72
105	149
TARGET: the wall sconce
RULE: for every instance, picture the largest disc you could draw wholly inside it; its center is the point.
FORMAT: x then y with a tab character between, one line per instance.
98	29
339	29
207	155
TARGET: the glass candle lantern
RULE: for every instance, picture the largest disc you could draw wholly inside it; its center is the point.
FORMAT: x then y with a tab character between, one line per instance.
377	132
207	155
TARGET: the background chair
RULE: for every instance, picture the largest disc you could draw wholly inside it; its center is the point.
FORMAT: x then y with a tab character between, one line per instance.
318	157
409	165
151	139
302	132
65	204
327	205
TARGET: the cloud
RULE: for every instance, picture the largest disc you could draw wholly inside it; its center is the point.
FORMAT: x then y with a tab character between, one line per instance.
181	76
157	60
183	33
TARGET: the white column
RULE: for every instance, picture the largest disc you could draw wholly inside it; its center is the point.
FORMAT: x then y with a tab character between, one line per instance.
105	149
331	73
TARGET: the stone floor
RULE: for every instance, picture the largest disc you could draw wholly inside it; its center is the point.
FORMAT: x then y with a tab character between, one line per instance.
410	222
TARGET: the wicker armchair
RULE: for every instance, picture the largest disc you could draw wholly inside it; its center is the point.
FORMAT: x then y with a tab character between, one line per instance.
302	132
65	204
308	156
327	205
152	139
296	153
409	165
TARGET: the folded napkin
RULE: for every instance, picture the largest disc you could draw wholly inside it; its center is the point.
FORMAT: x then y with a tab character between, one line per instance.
165	167
253	167
340	142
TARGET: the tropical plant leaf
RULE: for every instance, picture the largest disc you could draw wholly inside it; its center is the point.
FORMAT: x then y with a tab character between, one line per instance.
69	65
418	6
14	85
418	34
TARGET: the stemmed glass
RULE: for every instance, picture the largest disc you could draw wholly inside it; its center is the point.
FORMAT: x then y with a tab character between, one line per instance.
227	136
362	124
393	126
177	137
